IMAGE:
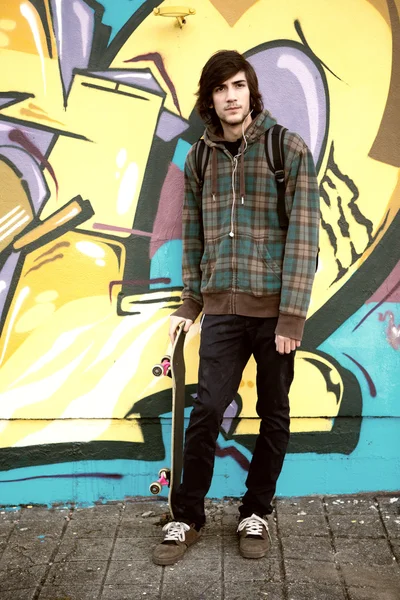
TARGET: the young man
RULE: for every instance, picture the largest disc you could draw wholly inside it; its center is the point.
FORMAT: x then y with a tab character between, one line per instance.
252	280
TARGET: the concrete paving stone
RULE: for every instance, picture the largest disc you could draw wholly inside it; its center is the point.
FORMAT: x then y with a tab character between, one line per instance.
84	549
42	513
203	551
350	505
396	549
70	592
256	590
184	581
237	569
130	592
26	553
308	525
134	549
92	528
309	548
18	594
304	571
392	524
97	513
390	504
33	529
231	547
6	528
359	526
131	529
193	590
293	506
77	573
386	577
363	551
17	579
135	510
210	529
9	515
372	594
315	591
137	572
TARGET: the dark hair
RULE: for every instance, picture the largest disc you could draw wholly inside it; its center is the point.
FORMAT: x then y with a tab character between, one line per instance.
222	66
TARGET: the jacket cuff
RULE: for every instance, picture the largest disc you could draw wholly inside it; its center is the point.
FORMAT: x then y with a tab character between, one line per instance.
290	326
189	310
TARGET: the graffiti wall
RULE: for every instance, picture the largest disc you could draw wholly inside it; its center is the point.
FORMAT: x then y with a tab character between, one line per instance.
96	119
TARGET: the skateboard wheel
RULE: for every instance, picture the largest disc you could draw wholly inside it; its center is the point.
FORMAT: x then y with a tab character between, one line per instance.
157	370
164	472
155	488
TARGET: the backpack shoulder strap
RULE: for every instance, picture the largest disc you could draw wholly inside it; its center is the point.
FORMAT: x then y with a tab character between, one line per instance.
276	160
201	156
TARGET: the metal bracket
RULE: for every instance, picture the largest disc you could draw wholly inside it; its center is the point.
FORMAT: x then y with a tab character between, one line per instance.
179	12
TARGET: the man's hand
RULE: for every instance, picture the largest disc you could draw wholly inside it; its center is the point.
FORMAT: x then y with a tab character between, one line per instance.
285	345
174	323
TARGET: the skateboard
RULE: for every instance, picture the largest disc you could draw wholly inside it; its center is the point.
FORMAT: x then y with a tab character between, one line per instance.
173	366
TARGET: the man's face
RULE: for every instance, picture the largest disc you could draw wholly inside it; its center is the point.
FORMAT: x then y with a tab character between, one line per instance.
231	99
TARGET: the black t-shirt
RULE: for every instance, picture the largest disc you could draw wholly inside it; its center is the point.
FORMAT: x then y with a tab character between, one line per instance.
233	147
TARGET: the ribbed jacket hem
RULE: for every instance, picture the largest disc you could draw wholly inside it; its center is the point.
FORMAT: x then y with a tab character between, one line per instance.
246	305
231	303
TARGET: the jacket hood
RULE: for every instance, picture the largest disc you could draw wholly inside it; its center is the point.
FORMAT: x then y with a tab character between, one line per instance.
213	139
259	125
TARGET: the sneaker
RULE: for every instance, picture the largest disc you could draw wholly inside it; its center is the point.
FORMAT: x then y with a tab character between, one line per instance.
254	537
178	538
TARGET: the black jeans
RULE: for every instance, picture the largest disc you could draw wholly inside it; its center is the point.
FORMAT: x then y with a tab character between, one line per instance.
227	342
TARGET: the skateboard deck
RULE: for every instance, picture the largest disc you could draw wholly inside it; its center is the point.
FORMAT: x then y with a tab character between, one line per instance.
174	367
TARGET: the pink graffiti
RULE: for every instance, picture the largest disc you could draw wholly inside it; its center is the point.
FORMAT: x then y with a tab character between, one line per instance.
392	330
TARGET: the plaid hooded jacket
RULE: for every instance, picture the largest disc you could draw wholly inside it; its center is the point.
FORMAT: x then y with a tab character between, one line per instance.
236	258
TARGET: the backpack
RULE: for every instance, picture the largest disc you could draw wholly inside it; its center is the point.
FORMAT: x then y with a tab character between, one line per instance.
275	159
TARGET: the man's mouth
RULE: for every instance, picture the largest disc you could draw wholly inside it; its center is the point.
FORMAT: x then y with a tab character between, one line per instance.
232	108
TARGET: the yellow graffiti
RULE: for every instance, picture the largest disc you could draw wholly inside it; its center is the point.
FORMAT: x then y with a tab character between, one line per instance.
72	368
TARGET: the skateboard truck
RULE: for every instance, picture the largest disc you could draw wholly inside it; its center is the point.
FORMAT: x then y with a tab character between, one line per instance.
164	479
163	367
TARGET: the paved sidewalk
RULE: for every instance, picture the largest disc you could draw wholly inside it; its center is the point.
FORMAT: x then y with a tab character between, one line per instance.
324	548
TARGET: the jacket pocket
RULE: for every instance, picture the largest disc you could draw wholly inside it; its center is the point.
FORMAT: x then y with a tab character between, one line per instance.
259	271
216	265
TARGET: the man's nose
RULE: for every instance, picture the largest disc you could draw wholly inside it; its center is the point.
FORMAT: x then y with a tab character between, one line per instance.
231	94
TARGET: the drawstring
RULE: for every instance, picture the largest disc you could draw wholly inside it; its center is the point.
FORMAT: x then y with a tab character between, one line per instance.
214	173
242	189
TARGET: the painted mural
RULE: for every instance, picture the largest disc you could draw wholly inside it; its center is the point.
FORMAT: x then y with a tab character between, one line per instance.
96	118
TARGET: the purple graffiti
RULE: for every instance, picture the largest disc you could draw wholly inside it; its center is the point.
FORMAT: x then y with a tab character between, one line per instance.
159	62
229	414
38	137
139	79
371	385
67	476
168	221
6	276
234	453
170	126
105	227
17	136
392	330
293	91
73	22
388	296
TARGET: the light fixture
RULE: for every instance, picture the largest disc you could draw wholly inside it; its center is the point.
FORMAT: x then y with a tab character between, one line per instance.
179	12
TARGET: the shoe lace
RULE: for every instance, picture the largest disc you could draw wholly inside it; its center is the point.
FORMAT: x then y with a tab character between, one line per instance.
175	531
254	525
